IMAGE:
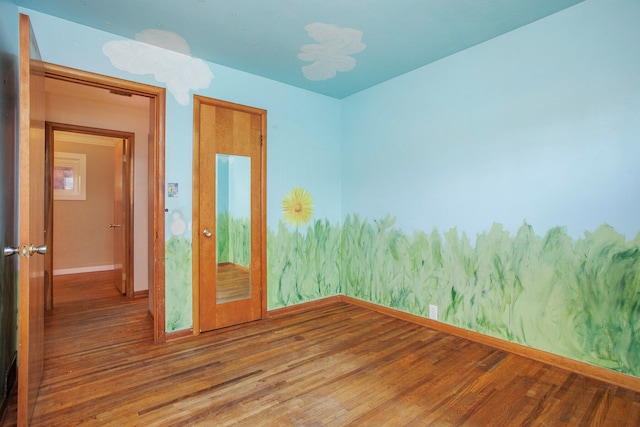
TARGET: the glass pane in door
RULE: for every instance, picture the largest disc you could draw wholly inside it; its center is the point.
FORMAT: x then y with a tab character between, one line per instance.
233	228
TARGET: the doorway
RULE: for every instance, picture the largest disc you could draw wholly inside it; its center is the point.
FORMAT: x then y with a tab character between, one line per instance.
229	221
93	187
153	141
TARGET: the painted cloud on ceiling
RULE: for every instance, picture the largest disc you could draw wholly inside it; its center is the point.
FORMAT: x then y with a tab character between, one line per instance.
164	55
332	52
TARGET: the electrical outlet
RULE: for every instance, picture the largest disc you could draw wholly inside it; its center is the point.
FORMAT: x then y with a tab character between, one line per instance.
433	312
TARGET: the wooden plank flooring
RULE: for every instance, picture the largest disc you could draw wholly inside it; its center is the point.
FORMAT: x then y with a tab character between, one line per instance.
233	283
336	365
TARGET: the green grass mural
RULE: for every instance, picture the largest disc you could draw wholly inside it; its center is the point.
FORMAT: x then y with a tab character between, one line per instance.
233	237
578	298
178	298
303	266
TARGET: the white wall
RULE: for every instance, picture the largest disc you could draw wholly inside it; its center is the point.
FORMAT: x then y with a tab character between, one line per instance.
82	240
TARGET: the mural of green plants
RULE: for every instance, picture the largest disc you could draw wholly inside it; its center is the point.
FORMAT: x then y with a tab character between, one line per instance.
302	265
233	239
178	301
577	298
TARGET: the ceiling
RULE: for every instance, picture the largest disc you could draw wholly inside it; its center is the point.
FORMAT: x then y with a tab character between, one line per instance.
333	47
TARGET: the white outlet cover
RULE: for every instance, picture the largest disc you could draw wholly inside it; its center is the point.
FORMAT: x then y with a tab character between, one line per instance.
433	312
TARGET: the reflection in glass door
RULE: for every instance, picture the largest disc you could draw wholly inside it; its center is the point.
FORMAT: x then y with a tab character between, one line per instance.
233	228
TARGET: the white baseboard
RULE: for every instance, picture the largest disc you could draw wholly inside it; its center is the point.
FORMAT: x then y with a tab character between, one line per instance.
81	270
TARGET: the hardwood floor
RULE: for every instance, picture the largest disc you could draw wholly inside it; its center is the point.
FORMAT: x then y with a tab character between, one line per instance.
336	365
233	283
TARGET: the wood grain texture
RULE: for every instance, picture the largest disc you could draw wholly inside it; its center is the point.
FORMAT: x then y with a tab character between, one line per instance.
31	286
233	283
334	365
583	368
228	128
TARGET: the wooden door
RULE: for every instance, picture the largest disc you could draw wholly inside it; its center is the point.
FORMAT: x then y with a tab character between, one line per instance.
229	244
32	217
119	223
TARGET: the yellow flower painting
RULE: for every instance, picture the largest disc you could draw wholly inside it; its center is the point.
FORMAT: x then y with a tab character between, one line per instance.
297	207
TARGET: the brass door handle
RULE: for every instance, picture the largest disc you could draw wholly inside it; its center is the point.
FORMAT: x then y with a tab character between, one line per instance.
206	232
42	249
114	225
25	250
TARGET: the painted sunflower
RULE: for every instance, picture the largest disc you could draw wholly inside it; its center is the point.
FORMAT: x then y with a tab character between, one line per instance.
297	207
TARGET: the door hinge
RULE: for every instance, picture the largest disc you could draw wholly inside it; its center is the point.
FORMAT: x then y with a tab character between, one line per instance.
124	158
260	139
124	277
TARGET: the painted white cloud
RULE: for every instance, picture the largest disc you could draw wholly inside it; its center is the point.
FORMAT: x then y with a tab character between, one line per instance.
164	39
332	52
150	54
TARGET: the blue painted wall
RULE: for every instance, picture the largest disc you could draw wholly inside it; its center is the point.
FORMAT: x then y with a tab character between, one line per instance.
303	141
540	125
501	184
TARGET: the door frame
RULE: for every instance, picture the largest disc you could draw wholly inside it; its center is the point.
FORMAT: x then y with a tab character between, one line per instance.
129	137
195	289
157	96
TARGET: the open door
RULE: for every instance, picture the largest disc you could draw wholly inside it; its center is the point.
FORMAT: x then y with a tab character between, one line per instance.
32	218
119	224
229	215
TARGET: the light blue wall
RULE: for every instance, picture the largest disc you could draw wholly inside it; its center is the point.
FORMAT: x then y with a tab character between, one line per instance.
511	171
303	127
539	125
303	139
222	186
240	187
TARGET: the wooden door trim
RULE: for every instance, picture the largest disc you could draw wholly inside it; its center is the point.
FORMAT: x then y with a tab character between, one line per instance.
158	95
50	128
197	102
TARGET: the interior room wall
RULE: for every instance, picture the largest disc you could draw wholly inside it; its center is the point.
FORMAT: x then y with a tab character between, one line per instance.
71	109
494	184
81	236
499	185
303	151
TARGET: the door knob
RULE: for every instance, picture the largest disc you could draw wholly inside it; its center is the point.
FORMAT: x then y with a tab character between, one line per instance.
8	251
42	249
114	225
25	250
206	232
